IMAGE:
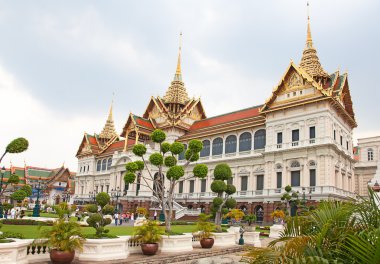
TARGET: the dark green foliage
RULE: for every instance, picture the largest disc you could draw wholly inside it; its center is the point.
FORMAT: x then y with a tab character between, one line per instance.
25	222
218	186
27	189
230	203
94	219
200	170
149	232
195	145
17	145
108	209
62	209
165	147
191	155
177	148
139	150
156	159
12	235
102	198
13	179
7	206
140	165
170	161
222	172
231	189
158	136
175	172
217	201
288	188
92	208
129	177
18	195
131	167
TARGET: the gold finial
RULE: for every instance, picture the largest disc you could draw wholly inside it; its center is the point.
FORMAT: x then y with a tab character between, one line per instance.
309	41
109	129
178	73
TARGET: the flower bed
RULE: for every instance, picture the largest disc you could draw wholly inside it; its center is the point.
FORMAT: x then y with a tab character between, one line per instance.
25	222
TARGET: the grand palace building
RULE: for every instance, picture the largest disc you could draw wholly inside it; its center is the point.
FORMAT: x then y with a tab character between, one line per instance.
301	136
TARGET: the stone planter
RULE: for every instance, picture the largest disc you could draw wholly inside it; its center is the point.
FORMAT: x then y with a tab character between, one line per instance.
235	230
104	249
275	231
178	243
252	238
224	239
14	252
139	221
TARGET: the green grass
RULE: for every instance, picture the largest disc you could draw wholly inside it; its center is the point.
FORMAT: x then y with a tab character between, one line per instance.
30	231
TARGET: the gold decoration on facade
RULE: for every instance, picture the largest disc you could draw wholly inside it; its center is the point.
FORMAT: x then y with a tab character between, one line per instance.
310	61
295	80
108	131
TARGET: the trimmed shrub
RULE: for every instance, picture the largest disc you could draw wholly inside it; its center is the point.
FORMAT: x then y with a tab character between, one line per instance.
102	198
177	148
191	155
231	189
131	167
195	145
129	177
17	145
156	159
140	164
175	172
139	150
222	172
218	186
200	170
170	161
165	147
158	136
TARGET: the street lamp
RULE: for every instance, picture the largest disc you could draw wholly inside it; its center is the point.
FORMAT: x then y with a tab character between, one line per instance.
38	187
1	191
116	194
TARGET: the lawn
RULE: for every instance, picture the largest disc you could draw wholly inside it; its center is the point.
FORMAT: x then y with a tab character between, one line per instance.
30	231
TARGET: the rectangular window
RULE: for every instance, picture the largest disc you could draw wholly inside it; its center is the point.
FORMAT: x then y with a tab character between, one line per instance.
295	178
107	188
191	190
279	179
180	187
203	185
312	177
279	138
101	188
96	189
334	135
347	145
81	189
341	140
295	135
312	132
260	182
244	183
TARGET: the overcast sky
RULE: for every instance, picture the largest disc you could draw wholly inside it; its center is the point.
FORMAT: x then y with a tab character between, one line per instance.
61	61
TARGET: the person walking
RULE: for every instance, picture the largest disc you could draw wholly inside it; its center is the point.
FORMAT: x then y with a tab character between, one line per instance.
116	217
121	218
155	215
132	217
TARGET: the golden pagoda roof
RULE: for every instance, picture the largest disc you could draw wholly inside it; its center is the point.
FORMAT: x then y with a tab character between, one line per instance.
176	93
310	61
108	131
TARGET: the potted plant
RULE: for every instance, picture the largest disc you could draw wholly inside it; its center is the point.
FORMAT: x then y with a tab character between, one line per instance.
236	215
64	238
149	234
204	228
278	216
250	218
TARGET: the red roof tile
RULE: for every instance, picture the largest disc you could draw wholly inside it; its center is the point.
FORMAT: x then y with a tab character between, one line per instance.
226	118
144	122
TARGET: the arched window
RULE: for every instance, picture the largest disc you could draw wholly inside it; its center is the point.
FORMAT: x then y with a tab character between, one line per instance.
312	163
231	144
245	141
217	146
182	155
104	164
259	141
370	154
205	152
295	164
98	165
109	163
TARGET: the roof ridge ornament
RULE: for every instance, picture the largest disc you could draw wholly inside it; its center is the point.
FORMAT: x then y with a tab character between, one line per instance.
109	131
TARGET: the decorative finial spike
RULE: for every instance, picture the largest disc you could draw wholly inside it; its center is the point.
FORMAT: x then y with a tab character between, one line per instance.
178	73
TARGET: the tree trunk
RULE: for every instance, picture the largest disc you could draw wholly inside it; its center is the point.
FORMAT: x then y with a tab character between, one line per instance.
218	221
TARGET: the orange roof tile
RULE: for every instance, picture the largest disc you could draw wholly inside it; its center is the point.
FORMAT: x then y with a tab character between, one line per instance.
226	118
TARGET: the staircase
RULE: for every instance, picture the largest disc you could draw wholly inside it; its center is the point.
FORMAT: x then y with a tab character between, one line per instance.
180	211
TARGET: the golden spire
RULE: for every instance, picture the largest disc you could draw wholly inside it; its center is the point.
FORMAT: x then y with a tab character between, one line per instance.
109	129
310	61
176	93
178	73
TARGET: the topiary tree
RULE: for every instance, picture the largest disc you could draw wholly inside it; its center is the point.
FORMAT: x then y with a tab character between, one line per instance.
97	212
164	160
291	199
222	173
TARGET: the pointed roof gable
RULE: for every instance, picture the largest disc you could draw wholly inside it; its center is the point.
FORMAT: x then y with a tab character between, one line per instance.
137	122
108	131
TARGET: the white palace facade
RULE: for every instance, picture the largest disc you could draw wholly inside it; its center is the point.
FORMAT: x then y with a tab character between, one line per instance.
301	136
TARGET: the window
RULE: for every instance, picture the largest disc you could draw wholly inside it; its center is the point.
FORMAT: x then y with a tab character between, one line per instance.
217	146
180	187
312	177
294	93
182	155
279	138
279	179
205	152
98	165
341	140
347	145
107	188
370	154
295	135
88	168
191	189
231	144
312	132
104	163
260	182
334	135
101	188
244	183
109	163
96	189
245	141
259	139
295	178
230	181
203	185
81	189
80	170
